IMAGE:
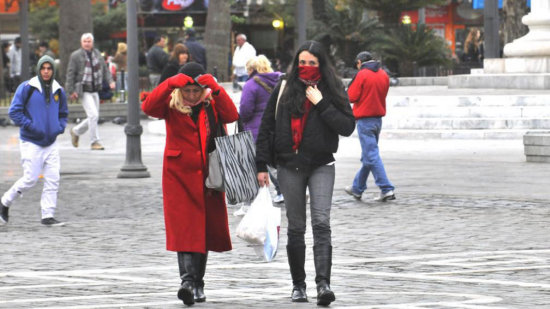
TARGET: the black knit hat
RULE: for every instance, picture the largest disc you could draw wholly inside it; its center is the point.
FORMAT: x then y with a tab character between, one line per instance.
192	69
363	56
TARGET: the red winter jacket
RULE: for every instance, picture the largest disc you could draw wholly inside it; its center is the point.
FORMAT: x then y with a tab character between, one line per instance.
367	92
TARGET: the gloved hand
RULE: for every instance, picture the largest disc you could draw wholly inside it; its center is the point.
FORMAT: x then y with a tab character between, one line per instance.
209	81
179	81
143	95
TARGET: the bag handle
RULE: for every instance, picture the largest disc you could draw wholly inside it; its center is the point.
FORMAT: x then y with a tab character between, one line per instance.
283	84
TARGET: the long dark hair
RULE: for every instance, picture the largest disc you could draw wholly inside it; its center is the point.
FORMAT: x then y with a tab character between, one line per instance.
330	85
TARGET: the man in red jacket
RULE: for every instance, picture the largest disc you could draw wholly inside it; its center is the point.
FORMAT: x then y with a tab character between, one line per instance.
367	92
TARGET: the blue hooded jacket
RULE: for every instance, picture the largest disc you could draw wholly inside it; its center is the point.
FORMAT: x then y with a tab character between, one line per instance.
40	120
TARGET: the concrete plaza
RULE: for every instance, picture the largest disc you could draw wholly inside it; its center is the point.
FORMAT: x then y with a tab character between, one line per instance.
469	229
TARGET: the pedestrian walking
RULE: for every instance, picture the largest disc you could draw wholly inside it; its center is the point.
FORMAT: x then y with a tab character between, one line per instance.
39	108
44	49
6	65
254	98
178	58
86	73
120	60
197	51
367	92
192	104
14	54
299	134
156	60
243	52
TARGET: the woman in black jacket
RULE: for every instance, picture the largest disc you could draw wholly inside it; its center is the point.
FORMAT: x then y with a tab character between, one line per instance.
299	134
178	58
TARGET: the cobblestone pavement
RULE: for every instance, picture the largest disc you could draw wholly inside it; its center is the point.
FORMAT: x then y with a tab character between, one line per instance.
469	229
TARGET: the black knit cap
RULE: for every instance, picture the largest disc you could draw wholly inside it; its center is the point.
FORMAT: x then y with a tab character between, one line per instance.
363	56
192	69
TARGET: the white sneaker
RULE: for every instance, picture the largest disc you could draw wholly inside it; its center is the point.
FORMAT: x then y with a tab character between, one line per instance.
383	197
279	198
241	211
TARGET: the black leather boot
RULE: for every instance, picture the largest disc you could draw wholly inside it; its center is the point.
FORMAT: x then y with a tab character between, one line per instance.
199	284
322	256
188	265
296	260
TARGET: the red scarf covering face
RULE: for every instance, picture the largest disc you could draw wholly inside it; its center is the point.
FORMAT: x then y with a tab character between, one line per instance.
310	76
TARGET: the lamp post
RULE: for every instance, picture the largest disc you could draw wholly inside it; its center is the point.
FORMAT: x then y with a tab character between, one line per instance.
188	22
132	168
301	17
490	28
24	25
278	24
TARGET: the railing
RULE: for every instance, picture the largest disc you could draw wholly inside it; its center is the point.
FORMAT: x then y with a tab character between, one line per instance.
119	95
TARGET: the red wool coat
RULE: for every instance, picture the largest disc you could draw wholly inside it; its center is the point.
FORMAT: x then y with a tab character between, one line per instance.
195	216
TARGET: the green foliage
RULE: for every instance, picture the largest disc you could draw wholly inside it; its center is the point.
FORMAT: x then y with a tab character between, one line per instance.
106	23
345	30
407	47
43	22
237	19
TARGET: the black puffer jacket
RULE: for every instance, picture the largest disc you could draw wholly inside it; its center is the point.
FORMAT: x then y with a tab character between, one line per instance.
319	140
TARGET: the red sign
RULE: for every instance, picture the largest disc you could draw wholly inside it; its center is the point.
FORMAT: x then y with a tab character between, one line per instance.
176	5
434	15
9	6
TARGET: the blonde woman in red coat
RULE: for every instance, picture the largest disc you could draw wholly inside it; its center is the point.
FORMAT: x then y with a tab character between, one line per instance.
191	103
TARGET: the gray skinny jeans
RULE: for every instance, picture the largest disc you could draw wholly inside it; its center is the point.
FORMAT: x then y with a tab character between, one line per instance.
320	182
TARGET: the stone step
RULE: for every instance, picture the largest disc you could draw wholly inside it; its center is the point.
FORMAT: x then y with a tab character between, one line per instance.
453	134
395	112
418	101
466	123
537	146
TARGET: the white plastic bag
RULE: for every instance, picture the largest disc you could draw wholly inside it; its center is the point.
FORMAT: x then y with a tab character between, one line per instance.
273	227
261	224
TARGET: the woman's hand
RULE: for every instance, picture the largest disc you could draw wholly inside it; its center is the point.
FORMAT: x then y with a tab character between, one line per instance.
179	81
208	81
313	94
263	179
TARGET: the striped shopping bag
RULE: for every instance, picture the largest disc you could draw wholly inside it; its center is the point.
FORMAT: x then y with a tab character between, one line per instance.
237	161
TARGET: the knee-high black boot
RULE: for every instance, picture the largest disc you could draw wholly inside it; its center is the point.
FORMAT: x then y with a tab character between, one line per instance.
322	255
199	284
188	265
296	260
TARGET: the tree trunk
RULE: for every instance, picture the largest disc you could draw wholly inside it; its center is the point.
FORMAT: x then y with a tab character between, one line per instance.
75	19
511	15
217	38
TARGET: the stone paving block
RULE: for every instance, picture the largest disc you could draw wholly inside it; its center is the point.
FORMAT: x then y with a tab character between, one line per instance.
469	229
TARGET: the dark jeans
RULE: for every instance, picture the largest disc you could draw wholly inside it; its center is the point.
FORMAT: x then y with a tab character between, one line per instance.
320	182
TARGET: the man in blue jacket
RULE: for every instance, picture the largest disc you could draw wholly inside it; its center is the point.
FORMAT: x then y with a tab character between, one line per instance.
39	108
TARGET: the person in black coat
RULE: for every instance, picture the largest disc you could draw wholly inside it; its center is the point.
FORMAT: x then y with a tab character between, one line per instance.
178	58
299	134
196	50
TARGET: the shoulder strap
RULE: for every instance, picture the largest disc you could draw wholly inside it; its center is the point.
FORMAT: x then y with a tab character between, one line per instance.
263	84
283	84
28	96
220	130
